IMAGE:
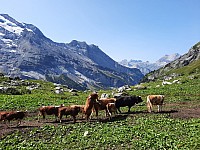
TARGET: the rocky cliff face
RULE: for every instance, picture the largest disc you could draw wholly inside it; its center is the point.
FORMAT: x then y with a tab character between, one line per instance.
185	60
27	53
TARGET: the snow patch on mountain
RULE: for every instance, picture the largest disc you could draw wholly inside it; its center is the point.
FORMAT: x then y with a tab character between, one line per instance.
11	27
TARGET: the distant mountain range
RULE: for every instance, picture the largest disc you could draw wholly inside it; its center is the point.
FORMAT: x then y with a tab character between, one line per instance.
146	67
25	52
186	65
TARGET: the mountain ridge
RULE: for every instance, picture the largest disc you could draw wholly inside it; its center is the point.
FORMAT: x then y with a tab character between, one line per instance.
146	67
28	53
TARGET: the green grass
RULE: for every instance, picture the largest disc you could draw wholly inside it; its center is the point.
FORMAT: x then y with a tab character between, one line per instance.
153	131
194	67
138	130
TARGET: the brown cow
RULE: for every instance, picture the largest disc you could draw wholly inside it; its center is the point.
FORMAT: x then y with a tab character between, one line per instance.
12	115
89	104
155	100
69	110
81	108
111	108
101	105
48	110
2	113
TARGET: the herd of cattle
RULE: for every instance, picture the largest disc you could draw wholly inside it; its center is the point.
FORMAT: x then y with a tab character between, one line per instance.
92	104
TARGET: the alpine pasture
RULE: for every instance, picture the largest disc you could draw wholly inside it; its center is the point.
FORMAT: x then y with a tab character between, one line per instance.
176	127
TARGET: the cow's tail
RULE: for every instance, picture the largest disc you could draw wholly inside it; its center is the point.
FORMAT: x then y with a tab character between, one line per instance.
149	104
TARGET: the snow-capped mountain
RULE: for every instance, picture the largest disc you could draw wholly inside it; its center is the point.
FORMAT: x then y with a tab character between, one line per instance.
146	67
167	59
27	53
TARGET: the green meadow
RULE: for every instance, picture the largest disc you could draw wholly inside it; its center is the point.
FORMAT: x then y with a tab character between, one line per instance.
137	130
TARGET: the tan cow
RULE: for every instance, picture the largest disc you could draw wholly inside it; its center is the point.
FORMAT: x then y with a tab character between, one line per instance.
111	108
155	100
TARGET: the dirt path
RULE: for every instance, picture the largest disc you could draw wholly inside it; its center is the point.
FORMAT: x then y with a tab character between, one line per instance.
187	113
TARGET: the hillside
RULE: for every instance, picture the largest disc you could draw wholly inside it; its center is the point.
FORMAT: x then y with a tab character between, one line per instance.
27	53
187	64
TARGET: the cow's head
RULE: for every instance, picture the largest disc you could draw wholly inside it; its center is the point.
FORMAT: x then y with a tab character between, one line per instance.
94	96
62	105
139	99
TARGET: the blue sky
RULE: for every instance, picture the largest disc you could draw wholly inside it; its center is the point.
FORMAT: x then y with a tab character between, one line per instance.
123	29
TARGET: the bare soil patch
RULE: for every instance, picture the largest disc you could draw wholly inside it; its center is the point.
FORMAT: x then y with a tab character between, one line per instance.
184	110
187	113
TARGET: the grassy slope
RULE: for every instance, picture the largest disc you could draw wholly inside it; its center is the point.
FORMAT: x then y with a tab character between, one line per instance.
194	67
139	130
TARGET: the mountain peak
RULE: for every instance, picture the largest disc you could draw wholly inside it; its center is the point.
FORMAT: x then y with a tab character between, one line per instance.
32	55
167	59
78	43
8	24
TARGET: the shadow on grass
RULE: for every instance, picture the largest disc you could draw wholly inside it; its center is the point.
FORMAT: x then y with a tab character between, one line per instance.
168	112
117	117
21	127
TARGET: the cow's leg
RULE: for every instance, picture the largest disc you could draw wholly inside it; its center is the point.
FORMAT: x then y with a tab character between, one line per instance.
9	124
19	122
6	124
39	114
119	110
148	107
159	108
97	116
74	119
151	108
43	115
88	116
60	118
129	109
108	112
